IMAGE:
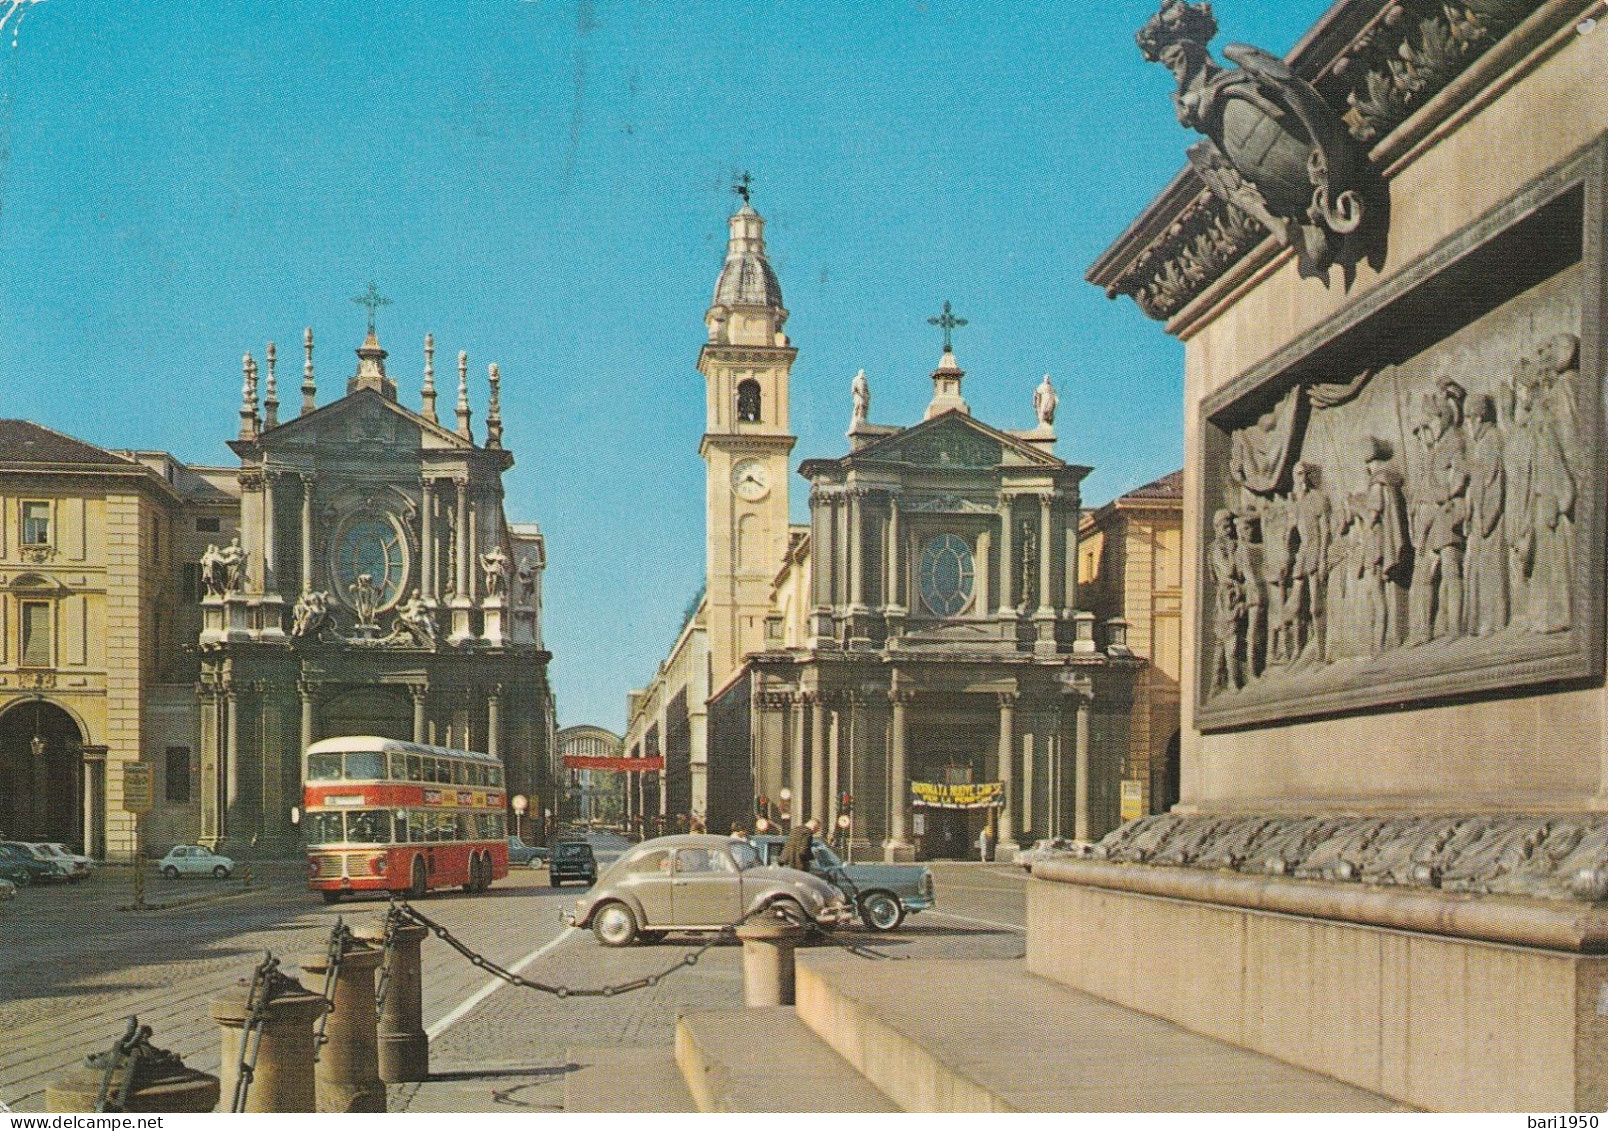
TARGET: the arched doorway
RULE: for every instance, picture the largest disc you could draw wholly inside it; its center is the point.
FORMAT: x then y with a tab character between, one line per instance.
41	773
368	710
1164	784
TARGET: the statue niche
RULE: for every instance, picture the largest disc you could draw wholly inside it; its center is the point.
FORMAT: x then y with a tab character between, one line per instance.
1275	149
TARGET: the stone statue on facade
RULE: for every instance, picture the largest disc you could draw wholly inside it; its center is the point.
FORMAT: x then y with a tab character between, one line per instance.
1045	402
525	579
214	574
365	601
861	392
1485	573
494	564
310	615
415	622
1274	149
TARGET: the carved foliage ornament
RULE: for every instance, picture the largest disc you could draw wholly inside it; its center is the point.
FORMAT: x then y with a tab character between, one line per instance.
1274	148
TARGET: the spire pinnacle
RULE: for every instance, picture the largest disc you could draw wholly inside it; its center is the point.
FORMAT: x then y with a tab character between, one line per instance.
428	396
270	403
309	389
494	409
463	396
248	399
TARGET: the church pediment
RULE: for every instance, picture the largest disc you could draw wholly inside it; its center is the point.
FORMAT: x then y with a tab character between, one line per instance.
954	440
360	420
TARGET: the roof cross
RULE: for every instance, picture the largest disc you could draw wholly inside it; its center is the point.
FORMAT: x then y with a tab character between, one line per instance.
741	186
948	321
373	300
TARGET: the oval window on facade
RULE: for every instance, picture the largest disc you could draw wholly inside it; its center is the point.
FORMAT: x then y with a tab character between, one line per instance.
947	575
371	544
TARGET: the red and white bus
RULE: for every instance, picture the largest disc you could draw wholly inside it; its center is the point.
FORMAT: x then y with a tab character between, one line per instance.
382	815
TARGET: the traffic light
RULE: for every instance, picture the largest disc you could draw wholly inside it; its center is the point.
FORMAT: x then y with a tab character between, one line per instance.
762	806
846	803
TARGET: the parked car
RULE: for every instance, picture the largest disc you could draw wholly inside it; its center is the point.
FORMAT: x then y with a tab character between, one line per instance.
8	890
77	866
530	855
571	860
701	883
22	864
192	860
89	862
883	893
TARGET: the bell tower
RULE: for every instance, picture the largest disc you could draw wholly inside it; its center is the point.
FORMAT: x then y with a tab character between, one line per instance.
745	364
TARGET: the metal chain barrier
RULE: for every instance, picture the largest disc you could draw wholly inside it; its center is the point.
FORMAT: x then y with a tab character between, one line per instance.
561	991
340	935
382	982
124	1054
263	981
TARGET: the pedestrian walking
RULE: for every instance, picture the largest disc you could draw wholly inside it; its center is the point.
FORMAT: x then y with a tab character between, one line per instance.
796	849
982	844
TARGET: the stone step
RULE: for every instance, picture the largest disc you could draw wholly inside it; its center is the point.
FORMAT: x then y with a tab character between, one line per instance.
1006	1040
615	1079
766	1060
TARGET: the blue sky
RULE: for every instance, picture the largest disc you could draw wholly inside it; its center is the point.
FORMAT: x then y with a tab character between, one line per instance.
545	183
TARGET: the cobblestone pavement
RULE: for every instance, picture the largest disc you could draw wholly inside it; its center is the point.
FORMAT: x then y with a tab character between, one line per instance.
73	967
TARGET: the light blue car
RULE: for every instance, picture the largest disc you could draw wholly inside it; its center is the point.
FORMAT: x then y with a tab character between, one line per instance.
192	860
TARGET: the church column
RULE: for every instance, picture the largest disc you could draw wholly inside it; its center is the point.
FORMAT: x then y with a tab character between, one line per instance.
307	534
1080	772
211	780
856	549
818	757
461	581
840	551
272	761
1045	609
892	592
427	548
494	721
1007	747
270	544
231	753
820	573
898	778
796	764
834	767
1069	571
305	690
1007	558
420	692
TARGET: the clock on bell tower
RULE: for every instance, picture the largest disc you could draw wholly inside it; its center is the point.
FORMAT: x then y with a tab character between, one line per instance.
745	363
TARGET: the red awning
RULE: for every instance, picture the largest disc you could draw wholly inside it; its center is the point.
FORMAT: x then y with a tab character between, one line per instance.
618	765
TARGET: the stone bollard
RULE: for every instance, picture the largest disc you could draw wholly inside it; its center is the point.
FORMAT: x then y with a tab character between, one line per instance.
161	1082
348	1072
768	962
404	1047
283	1078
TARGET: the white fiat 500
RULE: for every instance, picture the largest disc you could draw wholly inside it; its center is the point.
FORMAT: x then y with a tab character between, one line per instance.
699	883
193	860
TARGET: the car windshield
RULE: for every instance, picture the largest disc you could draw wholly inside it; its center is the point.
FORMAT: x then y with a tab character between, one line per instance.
571	851
745	856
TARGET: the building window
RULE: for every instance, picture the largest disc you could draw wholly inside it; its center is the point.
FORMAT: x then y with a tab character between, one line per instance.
192	582
36	524
207	525
947	575
748	400
178	774
371	544
34	649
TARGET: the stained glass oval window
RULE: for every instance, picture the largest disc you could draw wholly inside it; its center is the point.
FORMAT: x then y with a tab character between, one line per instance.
371	544
947	575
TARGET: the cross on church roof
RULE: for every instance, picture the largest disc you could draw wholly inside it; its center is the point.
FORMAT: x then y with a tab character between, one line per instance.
948	321
373	300
741	184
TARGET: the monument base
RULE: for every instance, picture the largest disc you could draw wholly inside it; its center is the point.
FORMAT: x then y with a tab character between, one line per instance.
1387	990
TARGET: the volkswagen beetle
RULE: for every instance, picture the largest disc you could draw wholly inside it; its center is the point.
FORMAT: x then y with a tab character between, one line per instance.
699	883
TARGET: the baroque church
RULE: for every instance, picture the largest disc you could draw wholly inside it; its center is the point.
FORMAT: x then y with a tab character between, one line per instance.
354	574
913	666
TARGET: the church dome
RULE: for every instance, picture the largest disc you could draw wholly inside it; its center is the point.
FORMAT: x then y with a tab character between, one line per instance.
747	278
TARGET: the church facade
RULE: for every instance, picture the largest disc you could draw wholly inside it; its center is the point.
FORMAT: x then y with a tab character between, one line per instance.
910	668
354	574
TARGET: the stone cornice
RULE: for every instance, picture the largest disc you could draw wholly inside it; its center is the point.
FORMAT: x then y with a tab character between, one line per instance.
1380	64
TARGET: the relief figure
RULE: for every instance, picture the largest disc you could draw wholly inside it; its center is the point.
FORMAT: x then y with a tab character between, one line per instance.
1387	552
1485	571
1545	487
1229	568
1310	568
1439	510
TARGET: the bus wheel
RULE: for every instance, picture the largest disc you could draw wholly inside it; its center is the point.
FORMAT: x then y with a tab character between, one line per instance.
331	896
421	882
487	872
473	883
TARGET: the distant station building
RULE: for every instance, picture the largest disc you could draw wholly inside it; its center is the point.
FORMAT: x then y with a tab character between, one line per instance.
592	787
355	574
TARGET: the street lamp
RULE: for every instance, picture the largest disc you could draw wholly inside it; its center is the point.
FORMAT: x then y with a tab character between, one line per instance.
520	804
786	798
